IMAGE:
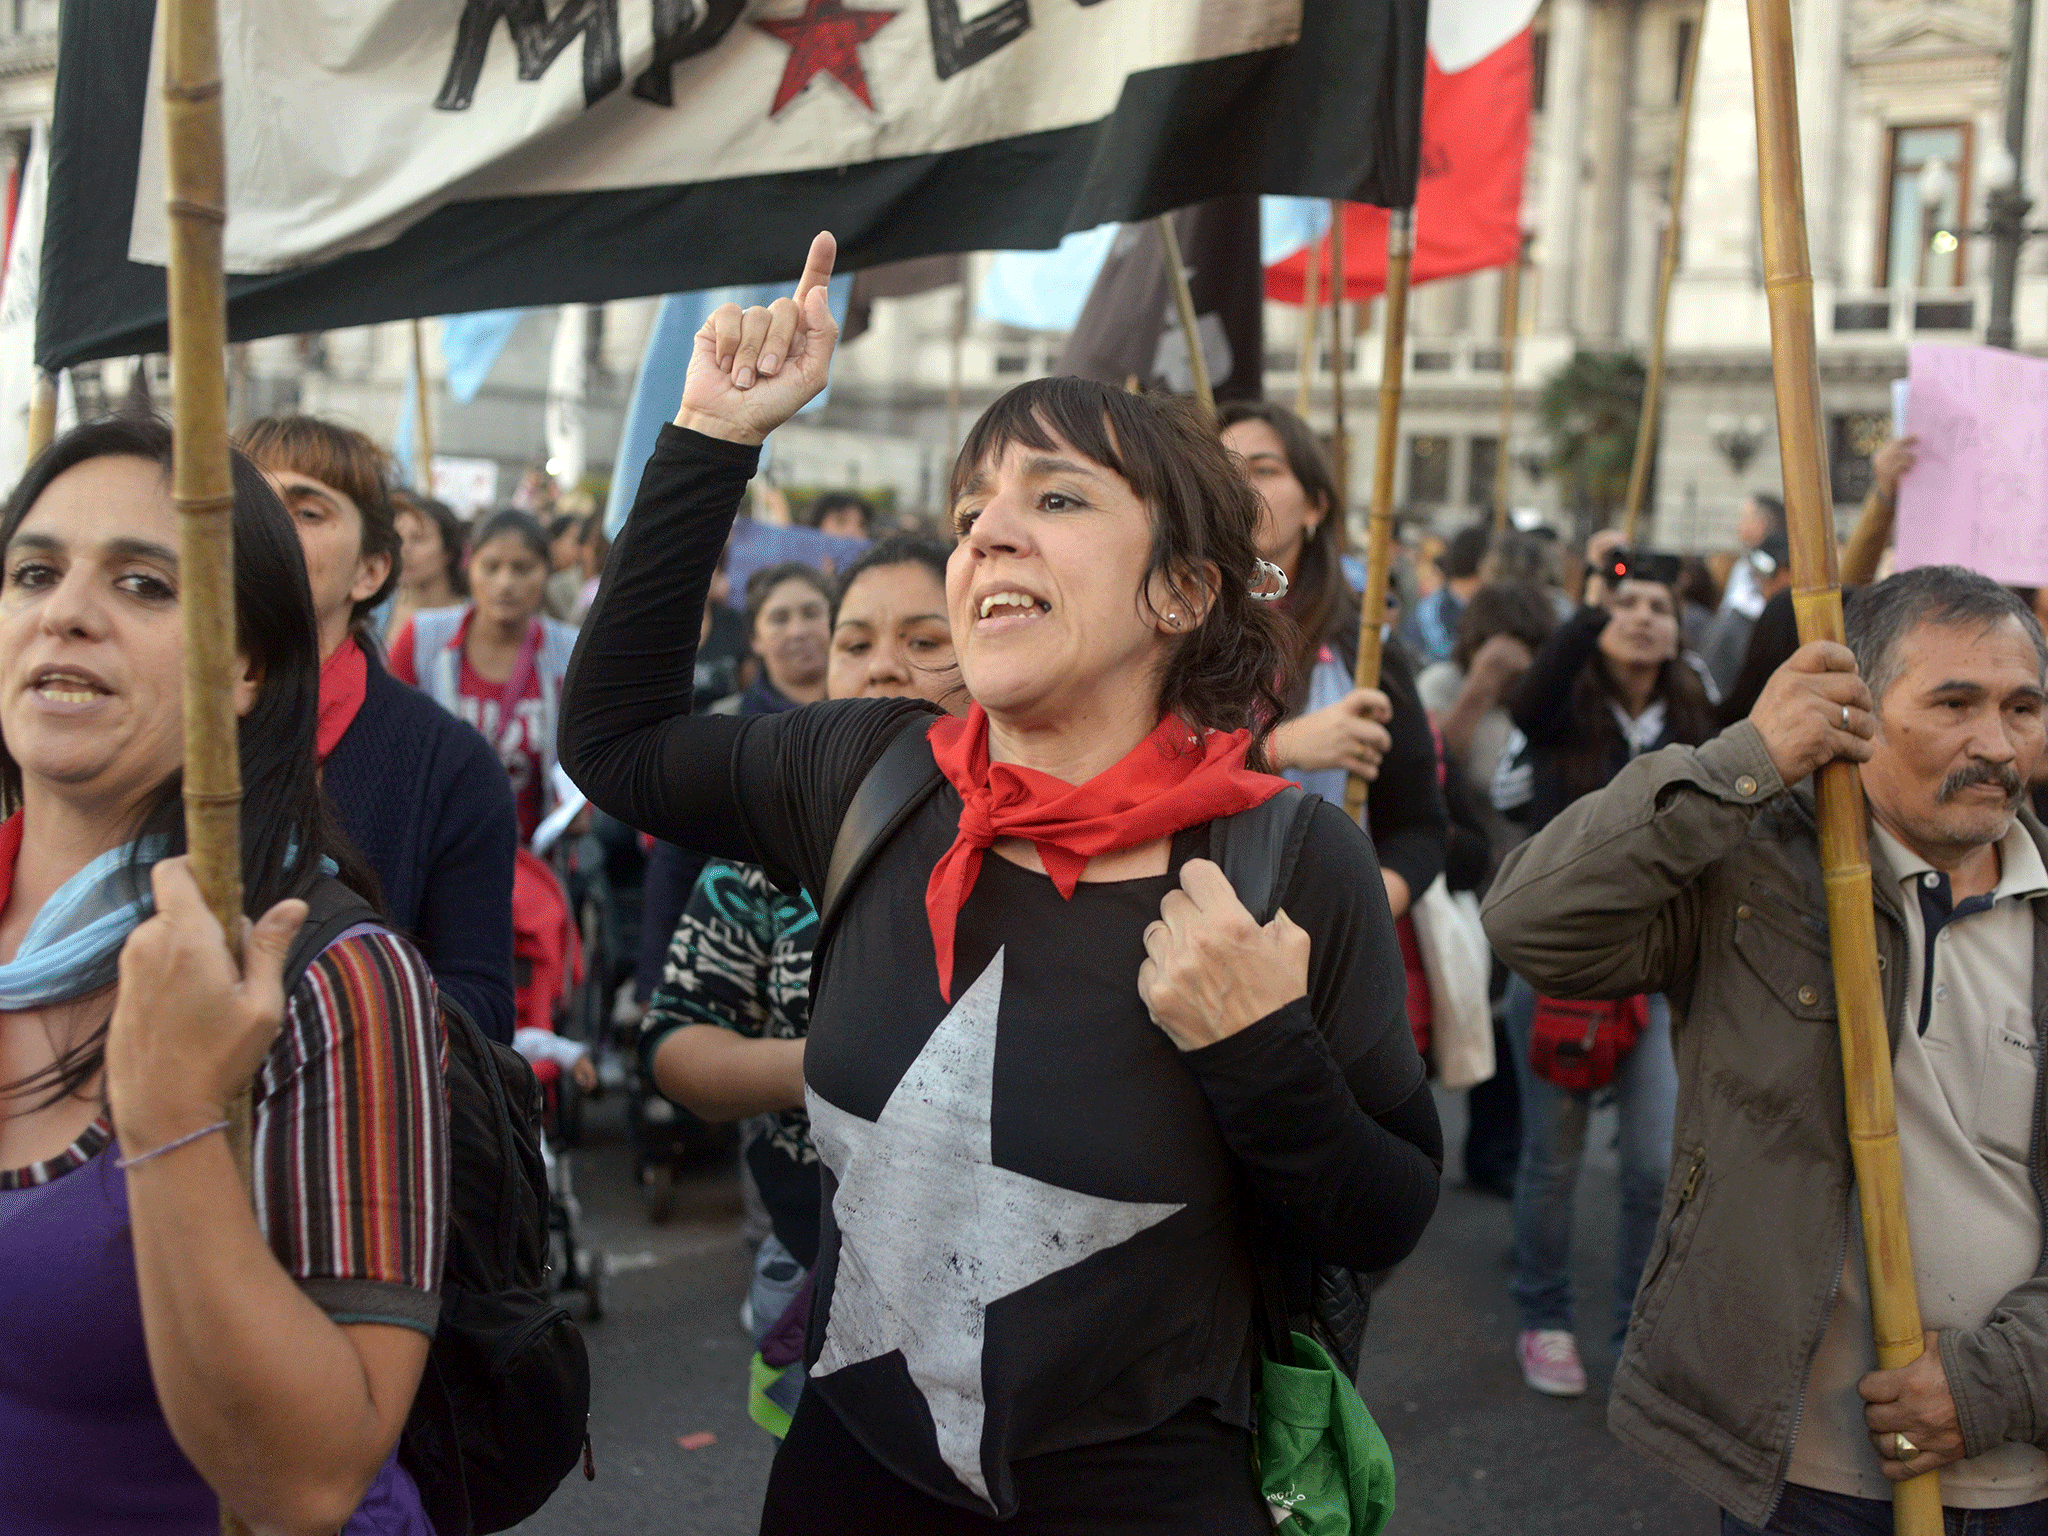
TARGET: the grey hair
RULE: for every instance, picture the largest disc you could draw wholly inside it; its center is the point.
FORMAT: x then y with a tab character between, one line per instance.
1881	616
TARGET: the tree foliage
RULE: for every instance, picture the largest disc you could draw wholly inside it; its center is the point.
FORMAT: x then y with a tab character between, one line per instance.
1590	410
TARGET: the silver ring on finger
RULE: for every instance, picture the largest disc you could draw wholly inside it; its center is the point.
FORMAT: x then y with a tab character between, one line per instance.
1845	717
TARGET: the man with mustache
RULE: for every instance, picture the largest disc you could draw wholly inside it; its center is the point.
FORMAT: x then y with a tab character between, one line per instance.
1749	1369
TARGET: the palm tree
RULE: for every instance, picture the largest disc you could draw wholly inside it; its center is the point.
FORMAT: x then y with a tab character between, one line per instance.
1590	409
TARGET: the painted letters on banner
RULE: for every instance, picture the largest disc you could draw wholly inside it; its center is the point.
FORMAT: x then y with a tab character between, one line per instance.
500	98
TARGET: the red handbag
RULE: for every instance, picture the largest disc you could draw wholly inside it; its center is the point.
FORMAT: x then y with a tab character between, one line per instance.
1580	1044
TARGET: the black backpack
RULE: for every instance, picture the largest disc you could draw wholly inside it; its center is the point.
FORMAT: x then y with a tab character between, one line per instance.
1257	850
503	1407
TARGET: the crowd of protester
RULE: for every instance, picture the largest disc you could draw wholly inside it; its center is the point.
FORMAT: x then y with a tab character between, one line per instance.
1609	745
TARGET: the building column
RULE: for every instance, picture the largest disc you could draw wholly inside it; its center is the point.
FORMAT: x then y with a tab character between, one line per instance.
1564	131
1822	43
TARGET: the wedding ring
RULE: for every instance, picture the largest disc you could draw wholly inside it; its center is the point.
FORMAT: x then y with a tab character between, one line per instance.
1903	1449
1845	717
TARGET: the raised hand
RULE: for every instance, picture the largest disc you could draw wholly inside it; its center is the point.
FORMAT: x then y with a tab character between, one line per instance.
753	369
1350	734
1815	709
189	1030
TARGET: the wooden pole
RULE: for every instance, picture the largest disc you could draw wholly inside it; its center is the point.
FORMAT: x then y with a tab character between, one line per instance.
1379	542
422	422
1667	271
202	484
1844	845
42	414
1184	302
1340	440
1311	315
1510	332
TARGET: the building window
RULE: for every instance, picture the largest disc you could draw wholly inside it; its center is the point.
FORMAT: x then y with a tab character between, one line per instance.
1683	36
1429	469
1482	455
1923	245
1539	68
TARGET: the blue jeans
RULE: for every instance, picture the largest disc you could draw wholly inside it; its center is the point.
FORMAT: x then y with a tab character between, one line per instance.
1554	1147
1815	1512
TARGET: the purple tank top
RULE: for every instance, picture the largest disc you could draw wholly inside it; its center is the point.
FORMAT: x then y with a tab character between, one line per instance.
87	1448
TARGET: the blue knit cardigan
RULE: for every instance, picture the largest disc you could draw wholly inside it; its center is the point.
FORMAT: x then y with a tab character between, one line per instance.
425	799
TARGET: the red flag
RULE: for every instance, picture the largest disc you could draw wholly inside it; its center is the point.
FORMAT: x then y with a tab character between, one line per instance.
1468	205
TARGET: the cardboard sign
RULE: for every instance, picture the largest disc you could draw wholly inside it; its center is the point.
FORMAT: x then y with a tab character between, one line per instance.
1978	494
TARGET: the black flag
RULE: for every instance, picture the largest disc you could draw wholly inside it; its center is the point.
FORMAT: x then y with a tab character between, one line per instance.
1131	328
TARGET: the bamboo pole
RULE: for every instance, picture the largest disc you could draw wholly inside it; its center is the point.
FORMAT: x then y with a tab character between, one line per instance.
202	482
1340	440
1311	316
1379	541
1667	272
1844	845
1184	302
422	422
1510	333
42	414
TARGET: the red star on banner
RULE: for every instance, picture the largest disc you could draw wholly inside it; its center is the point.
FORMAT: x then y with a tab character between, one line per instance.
826	39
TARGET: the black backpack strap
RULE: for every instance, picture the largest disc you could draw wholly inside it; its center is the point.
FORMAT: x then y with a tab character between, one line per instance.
1258	848
903	778
332	909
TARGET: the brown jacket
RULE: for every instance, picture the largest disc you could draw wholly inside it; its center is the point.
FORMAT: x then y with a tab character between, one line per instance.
1696	874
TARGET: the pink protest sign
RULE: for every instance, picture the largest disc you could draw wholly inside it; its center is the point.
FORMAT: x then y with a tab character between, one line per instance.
1978	496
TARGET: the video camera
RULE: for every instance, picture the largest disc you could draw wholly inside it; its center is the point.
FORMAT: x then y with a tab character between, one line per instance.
1641	565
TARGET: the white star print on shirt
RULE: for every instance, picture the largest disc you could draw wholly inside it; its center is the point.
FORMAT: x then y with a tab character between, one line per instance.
931	1231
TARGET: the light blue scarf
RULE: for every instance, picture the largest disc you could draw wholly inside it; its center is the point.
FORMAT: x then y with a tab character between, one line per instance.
74	945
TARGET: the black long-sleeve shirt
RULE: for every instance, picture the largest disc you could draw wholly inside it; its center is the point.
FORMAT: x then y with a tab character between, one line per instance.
1088	1118
1405	812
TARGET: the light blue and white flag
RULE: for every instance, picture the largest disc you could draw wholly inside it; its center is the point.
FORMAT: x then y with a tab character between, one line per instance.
471	345
664	366
1045	290
1286	224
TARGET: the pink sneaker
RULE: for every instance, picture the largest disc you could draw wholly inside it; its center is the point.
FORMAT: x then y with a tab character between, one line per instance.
1550	1362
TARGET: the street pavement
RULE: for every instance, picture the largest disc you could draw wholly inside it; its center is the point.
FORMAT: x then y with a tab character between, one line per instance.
1476	1452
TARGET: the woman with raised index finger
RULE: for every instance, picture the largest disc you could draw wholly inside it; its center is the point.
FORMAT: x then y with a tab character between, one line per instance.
1051	1088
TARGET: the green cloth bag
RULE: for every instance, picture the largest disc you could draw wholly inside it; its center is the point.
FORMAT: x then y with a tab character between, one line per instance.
761	1408
1323	1465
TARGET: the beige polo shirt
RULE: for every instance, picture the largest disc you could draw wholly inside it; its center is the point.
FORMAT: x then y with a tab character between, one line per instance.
1965	1094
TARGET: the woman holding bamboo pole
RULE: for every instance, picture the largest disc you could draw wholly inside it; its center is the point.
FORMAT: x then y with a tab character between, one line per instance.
1333	730
168	1346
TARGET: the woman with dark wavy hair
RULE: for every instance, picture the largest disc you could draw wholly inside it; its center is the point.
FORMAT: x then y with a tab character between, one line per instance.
1056	1073
1331	729
167	1346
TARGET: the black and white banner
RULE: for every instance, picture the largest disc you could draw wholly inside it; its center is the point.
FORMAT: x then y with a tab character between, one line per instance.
397	157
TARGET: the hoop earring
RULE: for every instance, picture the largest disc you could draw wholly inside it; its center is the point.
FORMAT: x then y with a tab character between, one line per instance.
1269	575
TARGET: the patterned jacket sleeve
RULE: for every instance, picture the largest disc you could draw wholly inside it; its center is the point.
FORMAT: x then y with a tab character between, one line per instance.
351	1135
718	962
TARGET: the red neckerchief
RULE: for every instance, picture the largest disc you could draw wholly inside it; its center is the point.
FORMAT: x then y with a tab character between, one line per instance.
10	850
1174	778
344	679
